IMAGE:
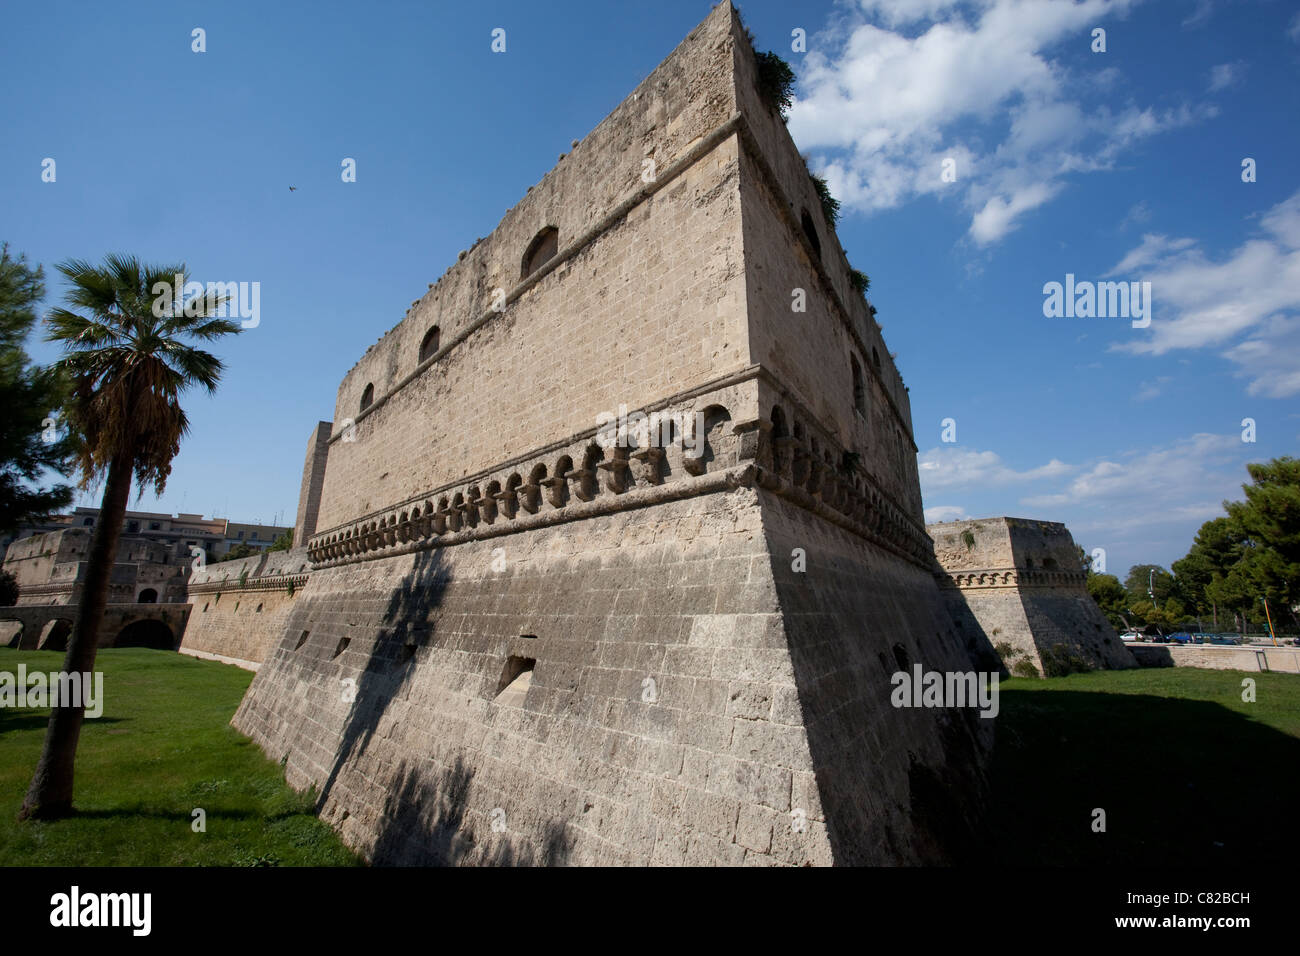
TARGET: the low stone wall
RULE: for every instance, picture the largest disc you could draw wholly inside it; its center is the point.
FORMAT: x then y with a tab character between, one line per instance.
1219	657
240	607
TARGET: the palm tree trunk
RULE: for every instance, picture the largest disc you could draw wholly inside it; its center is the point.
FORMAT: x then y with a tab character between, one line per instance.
50	793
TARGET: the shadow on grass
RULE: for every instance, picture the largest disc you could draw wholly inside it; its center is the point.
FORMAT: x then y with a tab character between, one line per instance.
18	720
1182	782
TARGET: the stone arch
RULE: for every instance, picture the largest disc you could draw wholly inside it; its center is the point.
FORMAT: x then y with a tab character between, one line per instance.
429	344
810	231
558	483
540	251
367	396
719	449
146	632
588	486
147	596
779	429
55	634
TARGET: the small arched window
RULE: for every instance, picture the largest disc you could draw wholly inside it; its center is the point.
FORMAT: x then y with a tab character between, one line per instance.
810	230
859	389
875	357
429	344
367	397
541	250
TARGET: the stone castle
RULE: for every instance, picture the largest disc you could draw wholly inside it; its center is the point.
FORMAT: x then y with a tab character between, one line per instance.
513	639
1021	583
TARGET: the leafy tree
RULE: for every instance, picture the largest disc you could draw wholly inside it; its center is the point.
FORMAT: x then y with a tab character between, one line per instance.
282	543
1137	581
128	360
1111	598
240	550
1269	519
1216	550
28	394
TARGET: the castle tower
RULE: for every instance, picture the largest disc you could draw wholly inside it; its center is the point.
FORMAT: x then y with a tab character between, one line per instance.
1020	582
522	641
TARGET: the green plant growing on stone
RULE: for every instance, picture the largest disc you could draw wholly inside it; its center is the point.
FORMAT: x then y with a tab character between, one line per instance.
968	538
774	79
1025	668
849	461
243	578
861	283
289	589
830	205
1059	660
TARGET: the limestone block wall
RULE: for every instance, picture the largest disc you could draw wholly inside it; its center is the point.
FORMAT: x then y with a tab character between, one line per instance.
313	481
645	299
809	354
674	714
239	608
1285	660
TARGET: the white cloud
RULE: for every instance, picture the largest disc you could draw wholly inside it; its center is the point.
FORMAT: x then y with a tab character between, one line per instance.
945	513
1137	214
1251	295
1153	248
1199	15
951	467
1225	75
1149	390
1160	481
974	81
1293	31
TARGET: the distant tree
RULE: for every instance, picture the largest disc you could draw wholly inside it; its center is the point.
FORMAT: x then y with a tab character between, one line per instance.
1249	555
282	543
1214	553
1111	598
1137	581
240	550
29	443
1269	519
128	358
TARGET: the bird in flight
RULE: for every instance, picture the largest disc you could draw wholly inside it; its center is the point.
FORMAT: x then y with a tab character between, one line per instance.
293	188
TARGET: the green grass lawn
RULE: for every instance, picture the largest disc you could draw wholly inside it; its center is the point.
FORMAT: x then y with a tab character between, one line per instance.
162	748
1186	771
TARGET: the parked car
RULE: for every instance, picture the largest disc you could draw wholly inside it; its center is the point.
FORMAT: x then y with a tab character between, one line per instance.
1224	639
1130	636
1181	637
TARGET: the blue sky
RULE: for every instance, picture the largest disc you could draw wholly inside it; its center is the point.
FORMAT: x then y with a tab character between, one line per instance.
1116	165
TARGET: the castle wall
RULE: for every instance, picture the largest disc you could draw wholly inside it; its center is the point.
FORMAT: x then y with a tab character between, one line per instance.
853	618
313	482
595	765
651	305
675	714
515	646
239	608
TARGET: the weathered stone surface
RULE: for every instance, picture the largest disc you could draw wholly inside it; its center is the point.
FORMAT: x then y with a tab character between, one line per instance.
1018	581
518	646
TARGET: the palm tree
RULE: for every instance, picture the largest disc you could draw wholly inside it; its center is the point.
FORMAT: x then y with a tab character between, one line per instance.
127	362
